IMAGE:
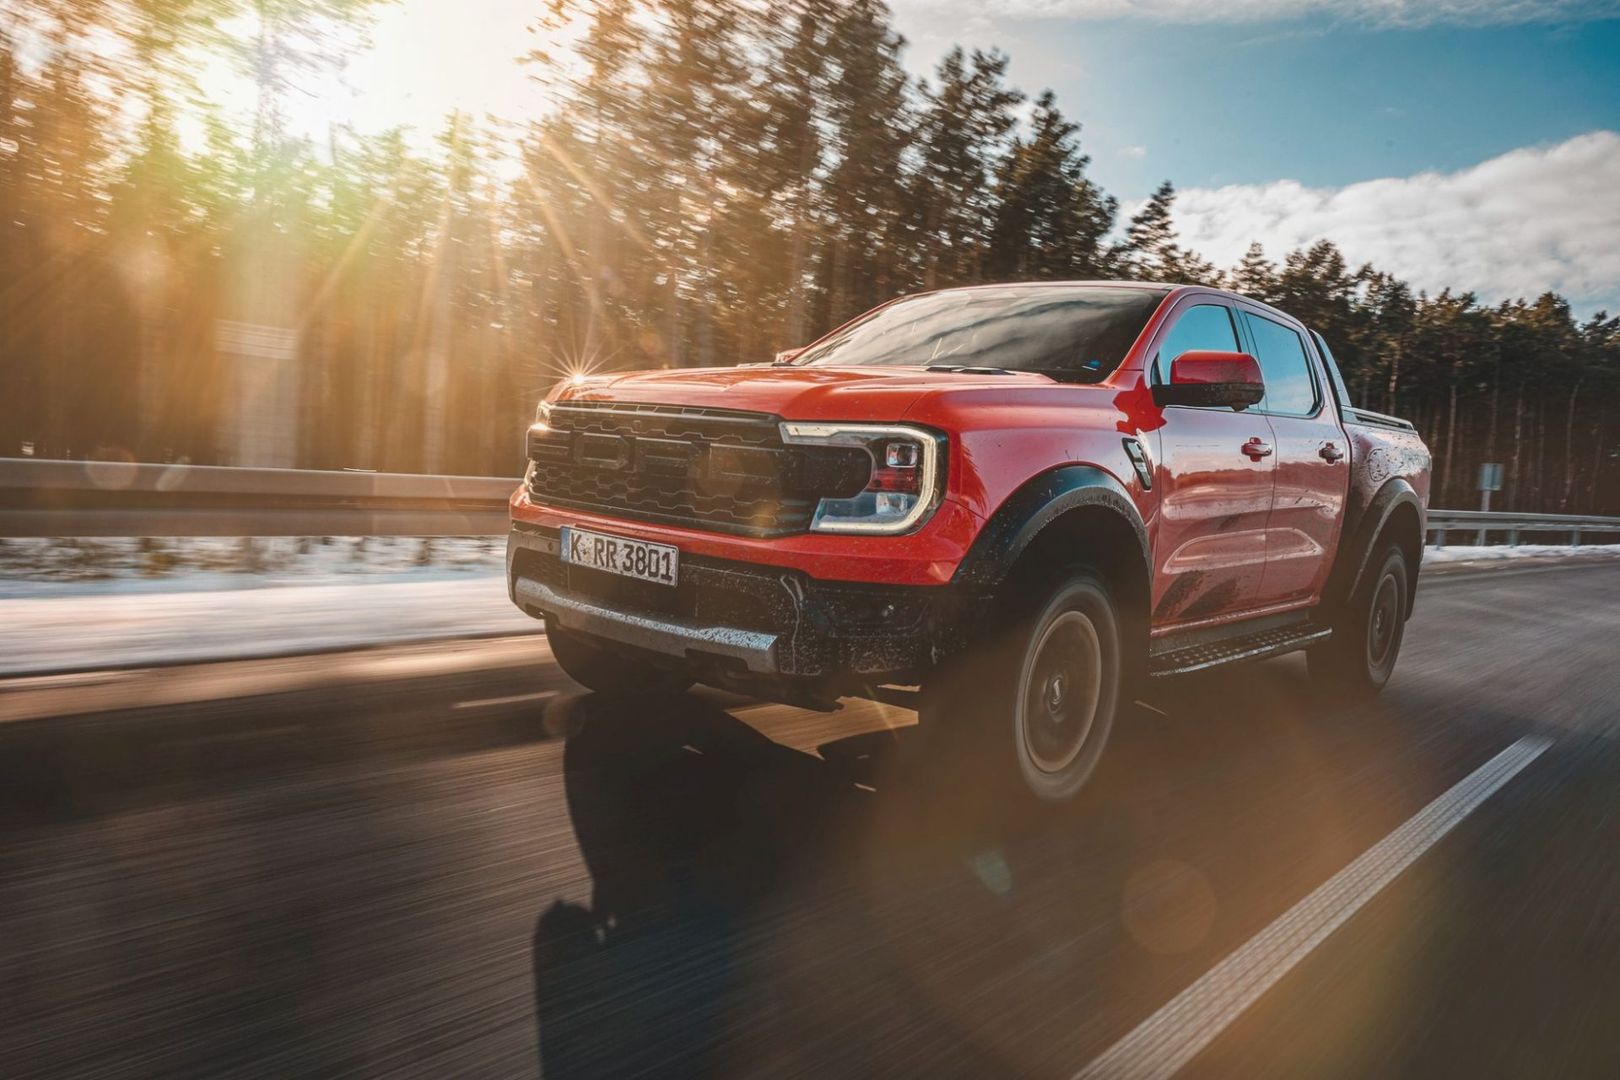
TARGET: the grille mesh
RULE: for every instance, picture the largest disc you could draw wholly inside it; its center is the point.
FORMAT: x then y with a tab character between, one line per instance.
708	468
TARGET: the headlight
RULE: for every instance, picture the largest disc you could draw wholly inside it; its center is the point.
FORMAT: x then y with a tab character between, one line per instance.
904	485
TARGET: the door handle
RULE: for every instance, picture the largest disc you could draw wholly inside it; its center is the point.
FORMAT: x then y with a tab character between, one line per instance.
1255	449
1331	453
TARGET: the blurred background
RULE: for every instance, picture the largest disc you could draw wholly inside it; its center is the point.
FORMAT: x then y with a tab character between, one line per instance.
242	232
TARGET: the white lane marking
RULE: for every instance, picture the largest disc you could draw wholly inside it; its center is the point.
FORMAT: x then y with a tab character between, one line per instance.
1170	1038
511	699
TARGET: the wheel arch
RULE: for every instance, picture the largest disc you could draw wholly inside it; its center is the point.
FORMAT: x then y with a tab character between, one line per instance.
1394	515
1066	514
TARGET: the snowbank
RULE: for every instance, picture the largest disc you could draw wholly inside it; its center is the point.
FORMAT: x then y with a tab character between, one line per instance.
1451	554
77	567
104	625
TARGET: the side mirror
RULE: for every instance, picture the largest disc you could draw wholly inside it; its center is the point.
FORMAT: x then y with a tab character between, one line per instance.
1210	378
786	356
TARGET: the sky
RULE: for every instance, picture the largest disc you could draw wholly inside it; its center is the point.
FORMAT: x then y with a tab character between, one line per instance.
1464	143
1473	144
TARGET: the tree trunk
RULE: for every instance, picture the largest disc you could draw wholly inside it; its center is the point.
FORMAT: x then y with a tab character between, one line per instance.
1540	447
796	328
1518	445
1451	442
1569	447
1597	462
1496	408
1392	388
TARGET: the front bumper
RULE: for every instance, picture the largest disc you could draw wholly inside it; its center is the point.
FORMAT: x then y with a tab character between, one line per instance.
737	624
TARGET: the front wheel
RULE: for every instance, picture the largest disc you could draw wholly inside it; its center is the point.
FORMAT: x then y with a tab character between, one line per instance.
608	670
1032	707
1360	656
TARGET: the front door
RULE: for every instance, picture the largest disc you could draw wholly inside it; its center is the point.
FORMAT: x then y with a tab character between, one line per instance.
1213	473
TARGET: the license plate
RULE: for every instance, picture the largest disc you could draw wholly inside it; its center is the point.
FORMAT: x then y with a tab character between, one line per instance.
621	555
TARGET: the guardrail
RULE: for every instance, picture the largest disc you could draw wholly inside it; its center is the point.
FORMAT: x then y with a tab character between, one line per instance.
1484	522
109	498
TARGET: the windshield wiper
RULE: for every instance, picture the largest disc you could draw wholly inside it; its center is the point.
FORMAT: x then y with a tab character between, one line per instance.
962	369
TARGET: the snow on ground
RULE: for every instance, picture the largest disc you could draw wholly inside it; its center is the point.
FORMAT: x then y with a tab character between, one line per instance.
81	605
1451	554
33	567
74	605
121	629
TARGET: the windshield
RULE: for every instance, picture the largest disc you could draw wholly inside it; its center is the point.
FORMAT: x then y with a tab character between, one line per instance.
1075	333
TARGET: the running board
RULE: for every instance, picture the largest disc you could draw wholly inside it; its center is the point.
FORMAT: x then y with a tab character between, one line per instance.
1258	646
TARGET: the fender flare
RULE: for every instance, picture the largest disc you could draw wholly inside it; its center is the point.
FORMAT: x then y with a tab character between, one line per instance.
1356	544
1035	505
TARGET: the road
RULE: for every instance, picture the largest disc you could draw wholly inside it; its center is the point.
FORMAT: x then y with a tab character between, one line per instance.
442	860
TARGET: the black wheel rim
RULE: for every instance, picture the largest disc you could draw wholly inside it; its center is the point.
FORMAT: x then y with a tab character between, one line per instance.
1062	686
1383	622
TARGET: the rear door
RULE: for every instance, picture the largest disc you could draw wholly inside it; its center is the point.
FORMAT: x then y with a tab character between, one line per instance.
1313	463
1213	474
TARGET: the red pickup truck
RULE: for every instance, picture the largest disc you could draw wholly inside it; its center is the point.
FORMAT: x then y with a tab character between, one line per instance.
1003	504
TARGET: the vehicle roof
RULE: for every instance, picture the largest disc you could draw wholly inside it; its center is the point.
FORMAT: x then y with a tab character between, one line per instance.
1150	286
1166	289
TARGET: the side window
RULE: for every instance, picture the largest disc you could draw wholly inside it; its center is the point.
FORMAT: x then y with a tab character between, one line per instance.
1335	376
1290	390
1204	326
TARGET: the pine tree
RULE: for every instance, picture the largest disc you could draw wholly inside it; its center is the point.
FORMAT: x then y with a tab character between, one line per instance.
967	117
1151	250
1254	275
860	262
1050	218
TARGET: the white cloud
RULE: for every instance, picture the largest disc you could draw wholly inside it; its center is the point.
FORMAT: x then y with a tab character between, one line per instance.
1530	220
1133	152
1402	13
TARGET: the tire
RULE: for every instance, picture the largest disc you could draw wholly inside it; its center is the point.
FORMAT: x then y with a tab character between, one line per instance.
610	670
1360	656
1027	712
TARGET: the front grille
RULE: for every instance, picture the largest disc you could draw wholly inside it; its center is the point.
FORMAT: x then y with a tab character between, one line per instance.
712	469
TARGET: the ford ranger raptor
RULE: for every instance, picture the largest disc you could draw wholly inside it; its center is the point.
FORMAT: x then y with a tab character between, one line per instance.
1006	506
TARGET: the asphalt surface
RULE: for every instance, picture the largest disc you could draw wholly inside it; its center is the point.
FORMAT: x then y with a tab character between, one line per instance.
443	860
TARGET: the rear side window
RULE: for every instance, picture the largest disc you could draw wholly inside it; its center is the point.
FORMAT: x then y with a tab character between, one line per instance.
1290	390
1204	326
1335	376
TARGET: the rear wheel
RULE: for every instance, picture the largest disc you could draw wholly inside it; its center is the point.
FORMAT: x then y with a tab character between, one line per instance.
1031	708
608	669
1360	656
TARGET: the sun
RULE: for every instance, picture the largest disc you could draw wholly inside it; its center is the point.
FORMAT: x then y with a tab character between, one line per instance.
410	66
428	58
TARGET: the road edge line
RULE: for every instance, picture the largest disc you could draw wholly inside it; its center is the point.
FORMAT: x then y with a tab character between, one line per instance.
1162	1044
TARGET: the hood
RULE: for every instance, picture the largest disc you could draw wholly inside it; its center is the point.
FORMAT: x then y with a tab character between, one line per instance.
794	393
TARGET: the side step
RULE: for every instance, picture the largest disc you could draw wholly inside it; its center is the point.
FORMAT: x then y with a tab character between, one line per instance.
1257	646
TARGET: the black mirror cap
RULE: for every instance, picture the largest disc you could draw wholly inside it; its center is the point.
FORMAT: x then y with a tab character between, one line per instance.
1236	395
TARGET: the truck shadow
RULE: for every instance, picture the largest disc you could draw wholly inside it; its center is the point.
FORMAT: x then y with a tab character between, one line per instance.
759	909
687	820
